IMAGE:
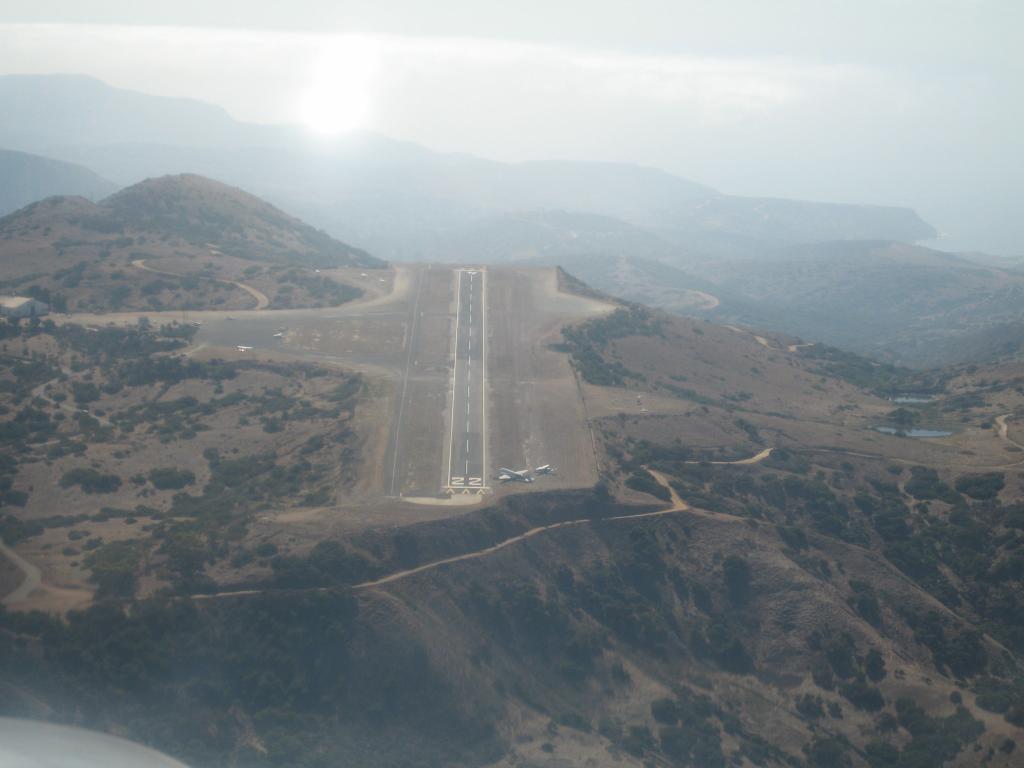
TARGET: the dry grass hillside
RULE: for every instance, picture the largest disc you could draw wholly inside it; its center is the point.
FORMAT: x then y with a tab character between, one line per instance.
177	242
759	579
133	466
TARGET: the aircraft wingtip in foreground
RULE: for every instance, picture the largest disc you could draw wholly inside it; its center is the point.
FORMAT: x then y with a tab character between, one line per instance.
527	475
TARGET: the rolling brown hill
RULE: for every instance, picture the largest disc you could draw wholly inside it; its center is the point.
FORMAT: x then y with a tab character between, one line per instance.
203	236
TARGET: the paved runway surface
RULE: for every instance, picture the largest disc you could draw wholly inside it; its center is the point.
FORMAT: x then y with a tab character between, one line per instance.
497	395
467	460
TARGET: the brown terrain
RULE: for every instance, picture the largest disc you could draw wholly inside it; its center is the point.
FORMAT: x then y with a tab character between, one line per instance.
181	242
730	565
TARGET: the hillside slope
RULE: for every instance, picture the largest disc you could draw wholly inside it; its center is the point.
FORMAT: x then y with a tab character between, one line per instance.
760	578
28	178
904	303
901	303
203	211
183	242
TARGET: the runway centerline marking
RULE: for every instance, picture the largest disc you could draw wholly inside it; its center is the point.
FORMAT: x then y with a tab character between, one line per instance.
455	377
483	373
473	460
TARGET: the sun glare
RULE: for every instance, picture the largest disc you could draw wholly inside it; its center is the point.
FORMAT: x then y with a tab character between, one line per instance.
340	93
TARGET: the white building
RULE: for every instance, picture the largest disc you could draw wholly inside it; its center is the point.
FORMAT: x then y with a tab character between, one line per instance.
14	307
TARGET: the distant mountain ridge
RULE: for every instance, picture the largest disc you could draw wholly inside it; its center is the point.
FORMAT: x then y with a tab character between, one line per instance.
27	178
394	198
893	301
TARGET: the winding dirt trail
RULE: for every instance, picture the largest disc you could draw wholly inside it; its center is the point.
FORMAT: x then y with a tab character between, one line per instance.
1004	430
755	459
677	505
40	392
262	302
34	594
31	582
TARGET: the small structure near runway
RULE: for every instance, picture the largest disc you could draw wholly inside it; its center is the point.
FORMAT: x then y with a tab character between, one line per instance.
17	307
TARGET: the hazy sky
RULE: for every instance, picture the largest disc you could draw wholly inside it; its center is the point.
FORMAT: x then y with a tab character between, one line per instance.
910	102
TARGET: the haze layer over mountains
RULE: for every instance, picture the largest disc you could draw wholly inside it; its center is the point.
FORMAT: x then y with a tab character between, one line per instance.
825	272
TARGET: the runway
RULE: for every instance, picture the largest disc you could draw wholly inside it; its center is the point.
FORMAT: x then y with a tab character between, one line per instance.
466	466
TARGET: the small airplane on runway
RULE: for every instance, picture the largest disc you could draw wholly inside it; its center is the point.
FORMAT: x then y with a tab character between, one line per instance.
507	475
519	475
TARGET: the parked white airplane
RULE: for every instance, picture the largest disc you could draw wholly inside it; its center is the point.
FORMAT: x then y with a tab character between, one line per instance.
521	475
242	348
547	469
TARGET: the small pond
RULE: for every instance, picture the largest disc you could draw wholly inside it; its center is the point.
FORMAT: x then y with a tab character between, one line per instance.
915	432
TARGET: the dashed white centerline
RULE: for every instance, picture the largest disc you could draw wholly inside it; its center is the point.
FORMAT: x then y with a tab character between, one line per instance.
451	484
455	377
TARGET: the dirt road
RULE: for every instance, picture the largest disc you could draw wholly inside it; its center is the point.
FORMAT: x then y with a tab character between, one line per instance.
677	505
34	594
31	582
913	462
40	392
755	459
1004	430
262	302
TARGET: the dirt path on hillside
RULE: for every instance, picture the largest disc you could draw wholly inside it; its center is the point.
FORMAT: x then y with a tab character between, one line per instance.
33	576
34	594
759	339
795	347
677	505
262	302
40	392
755	459
912	462
1004	430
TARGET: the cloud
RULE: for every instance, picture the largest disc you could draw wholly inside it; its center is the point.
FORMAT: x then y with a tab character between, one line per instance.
268	76
906	126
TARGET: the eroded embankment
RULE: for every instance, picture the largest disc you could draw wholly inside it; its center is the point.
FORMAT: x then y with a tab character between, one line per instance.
381	556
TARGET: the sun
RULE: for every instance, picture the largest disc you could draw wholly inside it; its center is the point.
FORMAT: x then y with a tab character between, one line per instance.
339	97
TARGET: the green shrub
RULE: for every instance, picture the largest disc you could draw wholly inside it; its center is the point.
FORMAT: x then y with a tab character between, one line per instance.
169	478
981	486
113	567
643	481
924	484
90	480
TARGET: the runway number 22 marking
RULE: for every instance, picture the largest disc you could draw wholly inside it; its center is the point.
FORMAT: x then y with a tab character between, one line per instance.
467	482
